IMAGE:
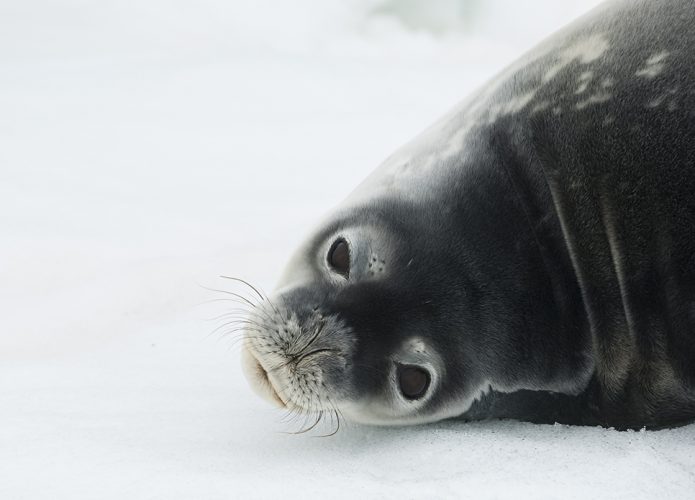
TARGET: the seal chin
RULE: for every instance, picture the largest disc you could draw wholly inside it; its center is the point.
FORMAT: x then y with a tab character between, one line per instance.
258	378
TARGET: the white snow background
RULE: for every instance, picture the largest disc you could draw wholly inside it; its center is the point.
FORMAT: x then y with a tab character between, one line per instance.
147	147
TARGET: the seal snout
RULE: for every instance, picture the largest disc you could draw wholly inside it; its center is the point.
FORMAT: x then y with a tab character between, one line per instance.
258	378
296	358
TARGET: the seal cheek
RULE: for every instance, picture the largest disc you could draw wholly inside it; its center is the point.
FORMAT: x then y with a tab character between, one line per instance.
258	378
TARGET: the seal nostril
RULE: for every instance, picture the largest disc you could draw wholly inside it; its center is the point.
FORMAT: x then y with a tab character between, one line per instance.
413	381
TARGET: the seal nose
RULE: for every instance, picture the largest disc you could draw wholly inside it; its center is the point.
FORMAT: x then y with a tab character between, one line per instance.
413	381
258	378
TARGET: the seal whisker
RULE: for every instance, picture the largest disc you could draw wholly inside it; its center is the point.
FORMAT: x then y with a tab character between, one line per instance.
236	301
279	366
299	414
245	320
292	414
232	343
234	311
320	328
241	297
237	336
240	330
337	421
259	292
319	416
250	332
239	280
337	428
234	322
311	353
231	316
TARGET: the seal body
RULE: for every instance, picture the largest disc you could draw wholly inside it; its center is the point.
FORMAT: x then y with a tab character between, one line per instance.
531	255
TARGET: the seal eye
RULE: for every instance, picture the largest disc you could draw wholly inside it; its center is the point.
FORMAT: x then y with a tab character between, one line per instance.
413	381
339	257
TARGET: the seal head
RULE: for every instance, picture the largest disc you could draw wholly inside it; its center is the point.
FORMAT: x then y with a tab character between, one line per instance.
380	316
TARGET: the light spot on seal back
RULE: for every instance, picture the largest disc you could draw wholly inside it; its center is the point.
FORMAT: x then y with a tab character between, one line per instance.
585	51
541	106
654	66
518	103
607	82
657	101
584	80
447	137
512	106
594	99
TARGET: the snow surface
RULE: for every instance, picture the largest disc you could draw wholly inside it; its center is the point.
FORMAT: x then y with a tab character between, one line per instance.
147	147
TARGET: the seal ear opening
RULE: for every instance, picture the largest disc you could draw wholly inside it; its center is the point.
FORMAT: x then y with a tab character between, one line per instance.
258	378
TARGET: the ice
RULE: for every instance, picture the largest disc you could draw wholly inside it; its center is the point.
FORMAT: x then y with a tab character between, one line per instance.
148	147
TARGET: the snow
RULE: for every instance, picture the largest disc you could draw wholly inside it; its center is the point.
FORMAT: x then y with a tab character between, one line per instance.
148	147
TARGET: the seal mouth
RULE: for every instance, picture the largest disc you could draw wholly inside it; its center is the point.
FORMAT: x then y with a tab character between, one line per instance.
259	380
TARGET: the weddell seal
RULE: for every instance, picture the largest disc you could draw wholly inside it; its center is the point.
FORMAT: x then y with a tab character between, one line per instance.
530	256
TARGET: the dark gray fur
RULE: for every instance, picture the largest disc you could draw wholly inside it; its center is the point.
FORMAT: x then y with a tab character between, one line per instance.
552	251
608	193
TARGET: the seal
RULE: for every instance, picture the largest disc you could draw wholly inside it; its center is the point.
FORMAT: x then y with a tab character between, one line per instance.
530	256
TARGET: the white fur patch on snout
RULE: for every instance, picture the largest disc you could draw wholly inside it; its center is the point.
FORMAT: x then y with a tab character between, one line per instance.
286	357
654	65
